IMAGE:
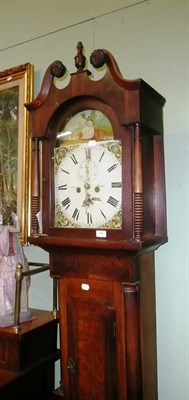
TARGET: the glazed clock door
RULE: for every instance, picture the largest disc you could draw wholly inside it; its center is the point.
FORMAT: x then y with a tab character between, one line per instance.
91	348
87	175
88	181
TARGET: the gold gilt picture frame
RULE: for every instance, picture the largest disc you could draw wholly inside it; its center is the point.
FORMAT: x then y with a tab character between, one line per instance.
16	88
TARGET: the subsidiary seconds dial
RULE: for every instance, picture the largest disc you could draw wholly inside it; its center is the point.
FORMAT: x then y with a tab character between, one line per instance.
88	185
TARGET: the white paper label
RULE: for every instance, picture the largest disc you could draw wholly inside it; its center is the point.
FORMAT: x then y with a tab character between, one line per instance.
85	286
101	234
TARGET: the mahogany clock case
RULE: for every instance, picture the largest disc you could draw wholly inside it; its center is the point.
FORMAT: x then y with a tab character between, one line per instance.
135	111
106	283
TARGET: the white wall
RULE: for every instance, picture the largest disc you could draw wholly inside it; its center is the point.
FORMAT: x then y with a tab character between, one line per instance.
149	40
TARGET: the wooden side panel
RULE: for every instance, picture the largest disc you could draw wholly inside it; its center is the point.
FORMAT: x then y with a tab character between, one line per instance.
159	182
132	338
148	326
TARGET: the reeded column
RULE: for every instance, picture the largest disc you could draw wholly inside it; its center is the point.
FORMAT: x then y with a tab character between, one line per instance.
35	189
138	185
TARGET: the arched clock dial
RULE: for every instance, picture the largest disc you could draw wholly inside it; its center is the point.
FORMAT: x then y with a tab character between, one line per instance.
88	185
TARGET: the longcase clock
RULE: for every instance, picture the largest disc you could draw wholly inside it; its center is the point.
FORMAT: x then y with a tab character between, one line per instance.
103	217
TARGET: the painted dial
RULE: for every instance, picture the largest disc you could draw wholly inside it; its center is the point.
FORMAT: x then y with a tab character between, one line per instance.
88	185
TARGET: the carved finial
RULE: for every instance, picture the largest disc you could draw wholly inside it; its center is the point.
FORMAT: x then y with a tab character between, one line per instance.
57	69
98	58
80	58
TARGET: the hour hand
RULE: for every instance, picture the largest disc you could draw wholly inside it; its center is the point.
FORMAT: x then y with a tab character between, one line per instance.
88	153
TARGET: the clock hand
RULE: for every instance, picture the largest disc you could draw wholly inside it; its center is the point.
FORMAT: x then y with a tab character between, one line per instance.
88	153
89	199
87	183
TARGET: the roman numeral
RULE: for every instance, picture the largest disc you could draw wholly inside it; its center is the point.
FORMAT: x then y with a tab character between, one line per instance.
75	214
102	155
89	218
112	201
73	158
116	184
110	169
103	214
63	170
62	187
66	203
